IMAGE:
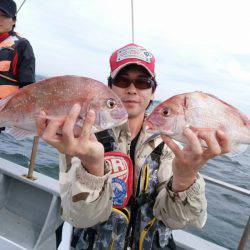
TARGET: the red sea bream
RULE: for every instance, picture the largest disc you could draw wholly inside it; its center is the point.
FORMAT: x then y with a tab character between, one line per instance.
198	110
56	96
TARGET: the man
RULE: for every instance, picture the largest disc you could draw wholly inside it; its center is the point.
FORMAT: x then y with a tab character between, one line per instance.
168	191
17	61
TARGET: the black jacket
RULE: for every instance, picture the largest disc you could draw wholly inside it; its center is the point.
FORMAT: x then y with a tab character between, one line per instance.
17	60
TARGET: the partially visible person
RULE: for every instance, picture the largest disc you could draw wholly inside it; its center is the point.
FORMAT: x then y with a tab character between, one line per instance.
17	60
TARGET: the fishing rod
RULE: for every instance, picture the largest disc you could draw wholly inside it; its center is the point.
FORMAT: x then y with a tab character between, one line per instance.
132	17
21	5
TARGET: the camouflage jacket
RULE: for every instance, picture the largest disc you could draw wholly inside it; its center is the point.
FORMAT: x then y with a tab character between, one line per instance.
145	223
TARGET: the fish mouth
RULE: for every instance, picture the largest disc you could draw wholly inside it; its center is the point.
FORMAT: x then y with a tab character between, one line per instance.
119	114
150	128
109	126
122	122
155	134
119	123
105	124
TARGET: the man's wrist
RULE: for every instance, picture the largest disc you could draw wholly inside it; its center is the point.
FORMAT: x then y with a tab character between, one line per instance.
182	184
96	169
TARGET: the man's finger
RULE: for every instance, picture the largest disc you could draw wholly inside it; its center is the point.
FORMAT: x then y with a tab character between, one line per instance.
88	123
213	147
224	141
68	127
172	145
53	126
193	141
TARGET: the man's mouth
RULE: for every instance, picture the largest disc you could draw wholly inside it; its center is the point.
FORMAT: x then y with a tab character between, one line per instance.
130	101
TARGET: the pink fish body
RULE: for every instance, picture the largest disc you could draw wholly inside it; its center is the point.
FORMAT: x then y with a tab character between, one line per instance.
199	110
56	96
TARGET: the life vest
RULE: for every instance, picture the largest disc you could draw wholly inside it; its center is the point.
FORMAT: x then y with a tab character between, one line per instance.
8	63
134	225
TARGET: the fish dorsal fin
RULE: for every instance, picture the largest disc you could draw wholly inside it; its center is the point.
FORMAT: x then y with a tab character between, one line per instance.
20	133
5	100
245	119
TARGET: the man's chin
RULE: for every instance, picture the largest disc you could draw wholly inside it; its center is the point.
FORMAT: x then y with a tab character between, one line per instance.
133	114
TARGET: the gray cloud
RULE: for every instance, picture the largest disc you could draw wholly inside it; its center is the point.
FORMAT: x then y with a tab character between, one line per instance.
193	51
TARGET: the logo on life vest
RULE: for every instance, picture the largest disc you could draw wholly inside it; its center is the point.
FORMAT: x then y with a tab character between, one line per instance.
121	170
119	191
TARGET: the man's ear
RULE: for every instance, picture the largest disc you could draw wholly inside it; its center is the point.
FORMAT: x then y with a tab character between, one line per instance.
13	20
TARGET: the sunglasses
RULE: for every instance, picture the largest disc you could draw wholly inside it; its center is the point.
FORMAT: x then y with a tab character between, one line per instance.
139	83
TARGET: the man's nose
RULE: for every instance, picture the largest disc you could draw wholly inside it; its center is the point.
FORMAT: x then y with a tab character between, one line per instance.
131	89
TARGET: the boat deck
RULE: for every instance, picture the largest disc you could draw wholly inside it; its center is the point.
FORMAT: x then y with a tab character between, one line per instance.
29	213
29	210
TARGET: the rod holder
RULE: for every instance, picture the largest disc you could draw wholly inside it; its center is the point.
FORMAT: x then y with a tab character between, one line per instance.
33	159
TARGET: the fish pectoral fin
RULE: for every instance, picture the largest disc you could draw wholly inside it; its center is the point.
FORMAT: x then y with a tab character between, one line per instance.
5	100
237	149
19	133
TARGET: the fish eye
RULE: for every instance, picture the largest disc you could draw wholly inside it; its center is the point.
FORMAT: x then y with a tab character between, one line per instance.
166	112
111	103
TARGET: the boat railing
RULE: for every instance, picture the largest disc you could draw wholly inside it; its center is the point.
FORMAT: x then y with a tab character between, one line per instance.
246	233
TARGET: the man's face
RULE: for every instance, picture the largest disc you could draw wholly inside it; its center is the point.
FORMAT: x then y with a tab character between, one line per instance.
6	23
134	99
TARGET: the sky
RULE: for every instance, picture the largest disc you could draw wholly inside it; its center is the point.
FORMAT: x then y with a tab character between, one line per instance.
199	45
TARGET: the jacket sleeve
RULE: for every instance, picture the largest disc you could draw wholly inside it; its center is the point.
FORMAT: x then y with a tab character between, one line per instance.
188	207
86	199
26	63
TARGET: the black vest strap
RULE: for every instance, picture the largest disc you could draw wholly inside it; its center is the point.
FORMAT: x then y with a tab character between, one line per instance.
137	202
158	149
107	138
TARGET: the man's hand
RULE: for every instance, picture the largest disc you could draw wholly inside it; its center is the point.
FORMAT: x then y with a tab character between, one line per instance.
85	146
193	156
